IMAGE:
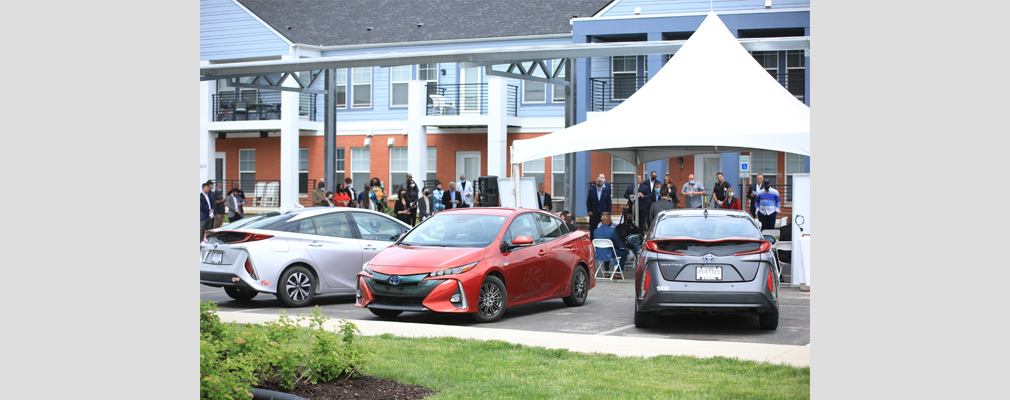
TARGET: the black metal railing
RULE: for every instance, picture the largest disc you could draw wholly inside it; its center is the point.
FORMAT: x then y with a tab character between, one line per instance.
466	98
258	105
794	82
607	93
263	192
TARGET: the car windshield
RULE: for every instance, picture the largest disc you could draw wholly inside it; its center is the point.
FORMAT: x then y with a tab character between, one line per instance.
710	228
268	222
456	230
248	220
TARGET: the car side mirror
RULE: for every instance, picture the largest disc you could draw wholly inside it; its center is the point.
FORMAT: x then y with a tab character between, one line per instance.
522	241
634	239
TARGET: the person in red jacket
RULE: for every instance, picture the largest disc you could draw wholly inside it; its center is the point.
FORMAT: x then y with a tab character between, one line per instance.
731	201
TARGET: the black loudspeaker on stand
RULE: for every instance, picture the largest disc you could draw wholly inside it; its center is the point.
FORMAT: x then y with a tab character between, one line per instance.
487	189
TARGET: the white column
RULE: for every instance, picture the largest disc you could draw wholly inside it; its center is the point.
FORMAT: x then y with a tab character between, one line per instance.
497	130
289	146
417	134
207	139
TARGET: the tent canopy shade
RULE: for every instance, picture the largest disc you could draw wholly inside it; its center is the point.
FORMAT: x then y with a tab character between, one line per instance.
711	97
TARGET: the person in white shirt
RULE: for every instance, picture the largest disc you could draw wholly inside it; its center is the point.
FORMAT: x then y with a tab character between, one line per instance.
465	191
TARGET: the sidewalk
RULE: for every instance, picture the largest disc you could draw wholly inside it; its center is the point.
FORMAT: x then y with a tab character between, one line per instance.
798	356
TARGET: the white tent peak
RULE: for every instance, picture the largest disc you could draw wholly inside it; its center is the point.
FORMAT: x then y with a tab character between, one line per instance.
712	96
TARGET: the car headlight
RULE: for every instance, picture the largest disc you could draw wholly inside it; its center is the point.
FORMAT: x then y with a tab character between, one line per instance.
452	271
364	267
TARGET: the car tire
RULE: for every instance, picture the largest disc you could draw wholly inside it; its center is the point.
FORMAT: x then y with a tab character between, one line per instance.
491	300
240	294
296	287
383	313
579	288
769	321
642	319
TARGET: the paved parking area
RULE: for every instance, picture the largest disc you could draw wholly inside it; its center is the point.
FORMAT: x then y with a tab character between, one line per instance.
609	311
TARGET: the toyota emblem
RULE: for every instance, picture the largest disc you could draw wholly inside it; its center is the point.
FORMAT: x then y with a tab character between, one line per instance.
395	280
708	257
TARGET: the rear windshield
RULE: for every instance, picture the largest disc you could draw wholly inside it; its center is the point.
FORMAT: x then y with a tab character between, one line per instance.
706	228
455	230
248	220
269	223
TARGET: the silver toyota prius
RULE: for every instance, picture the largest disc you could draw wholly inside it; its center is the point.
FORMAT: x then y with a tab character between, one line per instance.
706	261
295	254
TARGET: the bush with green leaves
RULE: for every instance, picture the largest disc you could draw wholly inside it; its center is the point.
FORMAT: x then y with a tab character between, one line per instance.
278	355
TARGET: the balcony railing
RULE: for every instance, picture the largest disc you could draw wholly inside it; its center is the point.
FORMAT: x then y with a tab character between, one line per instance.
607	93
259	105
466	99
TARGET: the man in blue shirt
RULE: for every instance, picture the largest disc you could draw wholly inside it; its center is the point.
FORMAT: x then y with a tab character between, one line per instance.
605	231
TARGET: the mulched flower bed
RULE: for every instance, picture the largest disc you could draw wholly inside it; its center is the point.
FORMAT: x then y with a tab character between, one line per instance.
363	387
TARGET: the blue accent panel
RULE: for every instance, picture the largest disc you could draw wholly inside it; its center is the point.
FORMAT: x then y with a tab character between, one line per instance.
228	32
582	165
654	7
659	166
731	168
806	160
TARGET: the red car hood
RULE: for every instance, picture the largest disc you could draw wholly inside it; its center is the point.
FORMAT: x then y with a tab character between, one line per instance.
409	260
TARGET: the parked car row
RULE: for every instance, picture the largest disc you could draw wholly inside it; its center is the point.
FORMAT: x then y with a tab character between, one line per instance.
481	261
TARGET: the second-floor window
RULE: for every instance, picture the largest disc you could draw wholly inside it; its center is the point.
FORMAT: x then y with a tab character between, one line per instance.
398	86
559	90
342	88
361	88
558	175
796	72
534	92
624	70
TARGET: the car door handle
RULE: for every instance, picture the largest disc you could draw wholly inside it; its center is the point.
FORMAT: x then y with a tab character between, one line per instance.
314	244
568	246
542	253
369	247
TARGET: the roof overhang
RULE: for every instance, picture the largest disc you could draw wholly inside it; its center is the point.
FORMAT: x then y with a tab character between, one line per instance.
482	57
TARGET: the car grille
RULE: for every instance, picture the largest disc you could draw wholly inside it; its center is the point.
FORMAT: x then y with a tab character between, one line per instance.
398	300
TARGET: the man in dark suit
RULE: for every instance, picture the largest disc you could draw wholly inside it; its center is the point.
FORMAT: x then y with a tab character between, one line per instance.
206	209
752	194
452	198
597	202
644	200
543	199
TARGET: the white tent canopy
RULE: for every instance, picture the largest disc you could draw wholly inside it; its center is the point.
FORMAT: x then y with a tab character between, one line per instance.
711	97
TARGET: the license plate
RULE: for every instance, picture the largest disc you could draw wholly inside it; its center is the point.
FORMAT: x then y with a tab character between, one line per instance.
708	273
215	257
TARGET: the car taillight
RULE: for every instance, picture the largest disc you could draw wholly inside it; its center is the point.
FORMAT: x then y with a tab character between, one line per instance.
764	248
653	246
249	269
645	283
252	237
771	283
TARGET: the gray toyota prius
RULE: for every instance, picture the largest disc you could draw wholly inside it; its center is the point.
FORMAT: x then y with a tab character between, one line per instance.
707	261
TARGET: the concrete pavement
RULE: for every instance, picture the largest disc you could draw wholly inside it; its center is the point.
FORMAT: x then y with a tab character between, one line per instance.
798	356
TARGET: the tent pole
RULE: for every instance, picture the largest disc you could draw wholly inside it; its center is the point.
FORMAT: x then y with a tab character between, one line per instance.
515	177
638	161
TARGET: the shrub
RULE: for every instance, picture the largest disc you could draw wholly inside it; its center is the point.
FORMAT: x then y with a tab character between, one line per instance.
281	354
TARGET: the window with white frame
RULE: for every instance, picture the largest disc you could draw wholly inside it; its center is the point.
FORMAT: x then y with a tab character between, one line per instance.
361	87
623	174
397	166
795	164
559	90
769	60
796	72
303	170
558	176
398	78
764	162
341	87
360	167
535	168
624	70
427	72
432	164
340	167
534	92
247	169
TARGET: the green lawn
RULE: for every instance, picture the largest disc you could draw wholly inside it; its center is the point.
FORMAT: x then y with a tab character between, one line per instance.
473	369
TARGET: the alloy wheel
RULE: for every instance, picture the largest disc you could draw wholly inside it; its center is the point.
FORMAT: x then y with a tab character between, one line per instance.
490	302
298	286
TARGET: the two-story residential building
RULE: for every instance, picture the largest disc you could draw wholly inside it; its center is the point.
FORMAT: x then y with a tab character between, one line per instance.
466	119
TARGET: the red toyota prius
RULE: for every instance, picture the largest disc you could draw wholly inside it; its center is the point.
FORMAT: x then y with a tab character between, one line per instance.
478	261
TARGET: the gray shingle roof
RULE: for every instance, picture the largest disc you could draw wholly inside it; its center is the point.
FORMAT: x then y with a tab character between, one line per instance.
345	22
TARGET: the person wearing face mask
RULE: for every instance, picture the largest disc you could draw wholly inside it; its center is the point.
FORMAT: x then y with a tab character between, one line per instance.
425	205
597	202
319	195
731	201
217	198
693	192
402	207
437	197
410	187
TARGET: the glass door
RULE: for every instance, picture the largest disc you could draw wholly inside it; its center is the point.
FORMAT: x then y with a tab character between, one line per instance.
470	91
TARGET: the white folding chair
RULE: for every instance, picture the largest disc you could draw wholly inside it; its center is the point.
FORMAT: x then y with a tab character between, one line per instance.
778	248
607	245
272	191
258	193
441	103
770	232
